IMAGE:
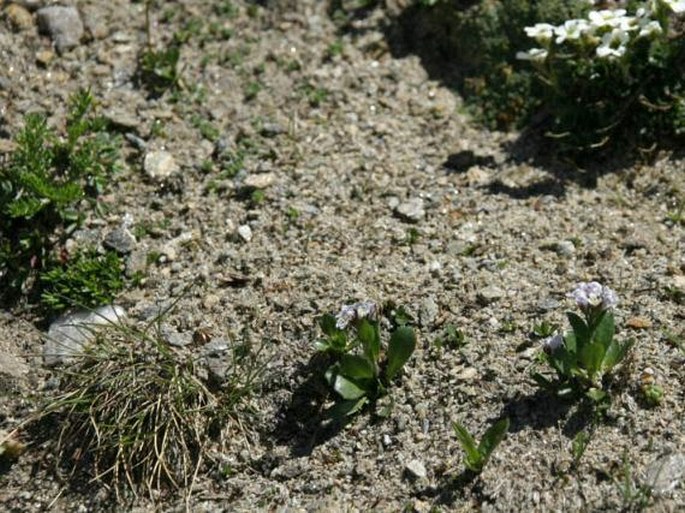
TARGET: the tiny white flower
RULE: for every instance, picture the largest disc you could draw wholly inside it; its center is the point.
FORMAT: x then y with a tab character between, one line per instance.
606	17
650	28
613	44
534	54
571	30
676	6
541	32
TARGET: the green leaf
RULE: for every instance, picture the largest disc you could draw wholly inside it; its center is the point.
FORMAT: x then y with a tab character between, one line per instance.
579	444
596	394
369	336
591	356
542	381
604	332
322	345
492	437
570	342
347	408
401	346
615	353
474	459
356	367
580	329
327	324
347	389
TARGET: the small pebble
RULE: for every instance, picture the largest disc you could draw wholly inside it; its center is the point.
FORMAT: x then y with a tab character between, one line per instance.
18	17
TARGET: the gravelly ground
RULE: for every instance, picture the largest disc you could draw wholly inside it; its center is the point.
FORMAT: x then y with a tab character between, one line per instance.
339	142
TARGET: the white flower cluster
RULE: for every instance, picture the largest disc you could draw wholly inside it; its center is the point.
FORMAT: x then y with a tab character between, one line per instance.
610	31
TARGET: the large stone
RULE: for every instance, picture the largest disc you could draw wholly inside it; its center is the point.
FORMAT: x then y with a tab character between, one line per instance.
62	24
665	473
120	240
69	335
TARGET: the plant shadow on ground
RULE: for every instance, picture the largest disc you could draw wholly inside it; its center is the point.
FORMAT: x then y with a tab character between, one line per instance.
302	423
430	34
537	411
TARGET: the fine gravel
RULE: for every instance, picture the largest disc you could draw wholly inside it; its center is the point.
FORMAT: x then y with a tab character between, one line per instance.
374	184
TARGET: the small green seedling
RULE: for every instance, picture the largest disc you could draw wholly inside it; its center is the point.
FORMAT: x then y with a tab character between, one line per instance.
477	455
584	356
361	374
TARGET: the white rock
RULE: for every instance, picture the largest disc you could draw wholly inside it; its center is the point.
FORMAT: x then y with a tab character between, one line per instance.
417	469
159	164
245	232
68	335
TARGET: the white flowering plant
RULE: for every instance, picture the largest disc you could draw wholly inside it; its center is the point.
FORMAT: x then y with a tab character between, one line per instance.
587	354
615	75
361	372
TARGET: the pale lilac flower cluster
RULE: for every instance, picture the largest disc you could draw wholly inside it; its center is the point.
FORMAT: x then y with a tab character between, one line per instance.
593	295
553	343
354	312
609	31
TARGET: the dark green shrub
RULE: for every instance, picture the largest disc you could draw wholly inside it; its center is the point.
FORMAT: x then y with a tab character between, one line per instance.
47	185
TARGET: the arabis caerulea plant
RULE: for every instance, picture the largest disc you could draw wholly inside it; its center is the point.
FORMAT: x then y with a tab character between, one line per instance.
586	355
613	72
361	372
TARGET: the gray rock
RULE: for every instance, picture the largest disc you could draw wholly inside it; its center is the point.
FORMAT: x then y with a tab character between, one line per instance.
217	359
62	24
565	248
120	240
68	335
411	211
174	338
215	347
489	295
159	165
428	311
665	473
416	469
271	129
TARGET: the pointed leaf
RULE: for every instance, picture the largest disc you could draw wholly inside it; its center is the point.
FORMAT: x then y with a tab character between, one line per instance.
322	345
401	346
541	381
570	342
616	352
492	437
604	332
591	356
468	444
596	394
347	388
580	329
369	335
327	324
356	367
343	409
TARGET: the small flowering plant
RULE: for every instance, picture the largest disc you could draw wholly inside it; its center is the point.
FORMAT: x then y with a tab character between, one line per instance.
584	356
613	72
361	371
